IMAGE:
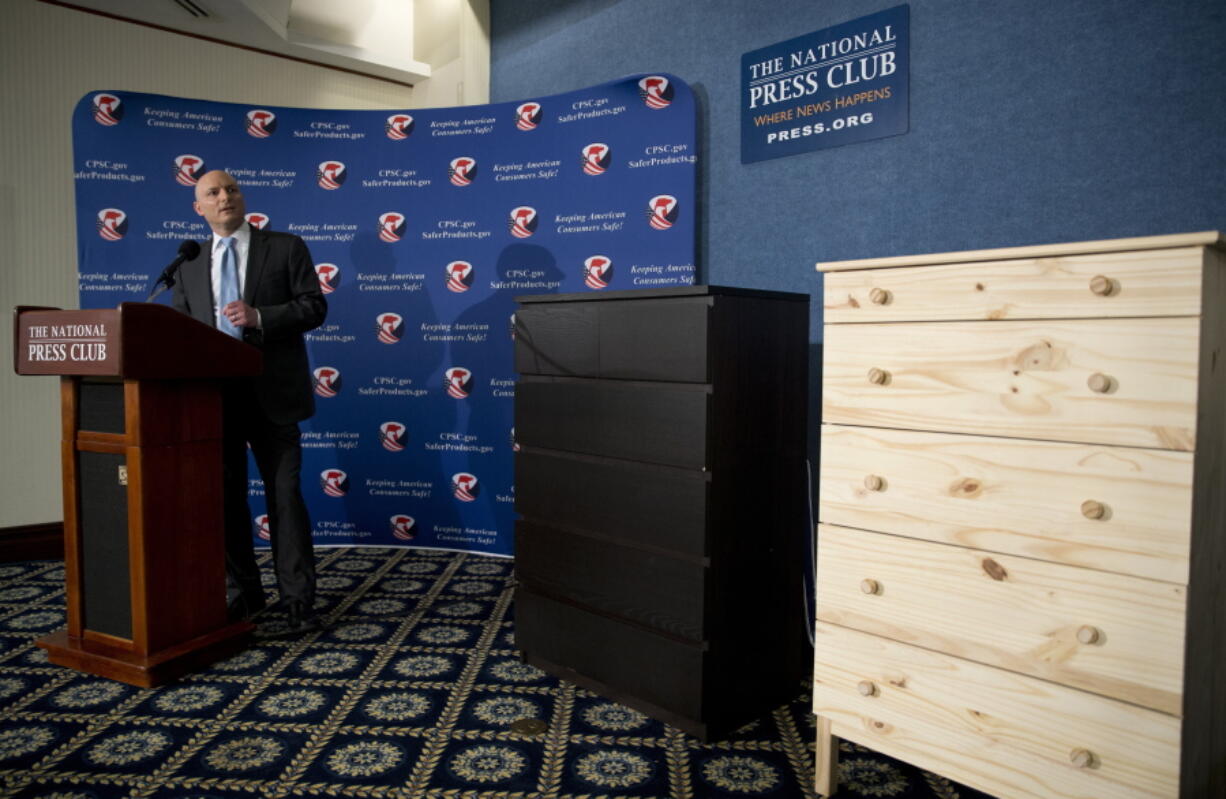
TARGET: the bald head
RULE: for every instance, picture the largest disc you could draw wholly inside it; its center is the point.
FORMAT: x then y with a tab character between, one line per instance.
220	201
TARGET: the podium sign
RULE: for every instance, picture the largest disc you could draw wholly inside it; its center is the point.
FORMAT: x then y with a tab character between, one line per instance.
58	342
144	561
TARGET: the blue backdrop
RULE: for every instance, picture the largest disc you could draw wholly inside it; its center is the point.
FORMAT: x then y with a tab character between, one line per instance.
424	225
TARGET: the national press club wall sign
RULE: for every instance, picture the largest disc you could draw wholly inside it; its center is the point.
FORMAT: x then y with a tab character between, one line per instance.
424	226
835	86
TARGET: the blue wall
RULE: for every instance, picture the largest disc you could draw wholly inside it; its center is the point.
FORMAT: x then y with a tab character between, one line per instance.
1031	122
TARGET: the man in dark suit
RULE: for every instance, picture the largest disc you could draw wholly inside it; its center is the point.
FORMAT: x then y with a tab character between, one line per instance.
261	287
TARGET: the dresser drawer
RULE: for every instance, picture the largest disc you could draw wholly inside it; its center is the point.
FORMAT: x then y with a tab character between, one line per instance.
646	588
1145	283
1129	382
1114	635
653	507
1005	733
658	669
661	339
1115	509
663	423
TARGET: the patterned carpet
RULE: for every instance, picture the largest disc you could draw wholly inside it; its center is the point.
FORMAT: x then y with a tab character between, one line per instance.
409	692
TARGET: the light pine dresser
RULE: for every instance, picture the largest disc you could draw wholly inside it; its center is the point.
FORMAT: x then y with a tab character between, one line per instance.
1022	525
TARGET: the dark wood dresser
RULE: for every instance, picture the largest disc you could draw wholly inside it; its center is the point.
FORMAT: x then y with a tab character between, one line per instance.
661	485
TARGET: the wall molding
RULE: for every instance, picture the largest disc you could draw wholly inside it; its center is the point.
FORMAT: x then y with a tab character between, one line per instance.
32	542
224	42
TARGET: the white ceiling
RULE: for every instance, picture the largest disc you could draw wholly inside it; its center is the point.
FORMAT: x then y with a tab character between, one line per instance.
373	37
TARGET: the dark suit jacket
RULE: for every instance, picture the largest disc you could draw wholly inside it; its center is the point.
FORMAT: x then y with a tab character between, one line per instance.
281	284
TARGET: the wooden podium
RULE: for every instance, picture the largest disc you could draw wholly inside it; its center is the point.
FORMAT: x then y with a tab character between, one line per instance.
144	558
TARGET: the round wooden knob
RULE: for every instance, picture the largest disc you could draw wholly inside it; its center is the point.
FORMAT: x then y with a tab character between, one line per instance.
878	377
874	482
1102	285
1092	509
867	688
1099	383
1088	634
870	586
880	296
1081	758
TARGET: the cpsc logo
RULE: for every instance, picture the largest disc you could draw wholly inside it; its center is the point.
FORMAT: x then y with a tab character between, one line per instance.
187	169
597	272
108	109
257	220
391	227
392	436
662	211
112	224
402	527
329	277
398	126
463	171
331	174
656	91
334	482
528	116
522	222
459	276
262	527
596	158
464	486
389	327
260	123
327	381
458	381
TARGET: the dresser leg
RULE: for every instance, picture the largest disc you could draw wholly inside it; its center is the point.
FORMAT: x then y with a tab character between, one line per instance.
826	767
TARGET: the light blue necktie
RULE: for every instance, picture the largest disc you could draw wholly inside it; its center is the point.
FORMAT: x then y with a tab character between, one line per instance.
228	290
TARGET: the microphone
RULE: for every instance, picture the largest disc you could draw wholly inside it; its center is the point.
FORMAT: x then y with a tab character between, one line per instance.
188	250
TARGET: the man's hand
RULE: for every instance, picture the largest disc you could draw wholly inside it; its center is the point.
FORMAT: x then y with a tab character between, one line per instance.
241	314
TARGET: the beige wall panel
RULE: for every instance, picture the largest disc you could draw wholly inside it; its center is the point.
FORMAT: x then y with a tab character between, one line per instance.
50	57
